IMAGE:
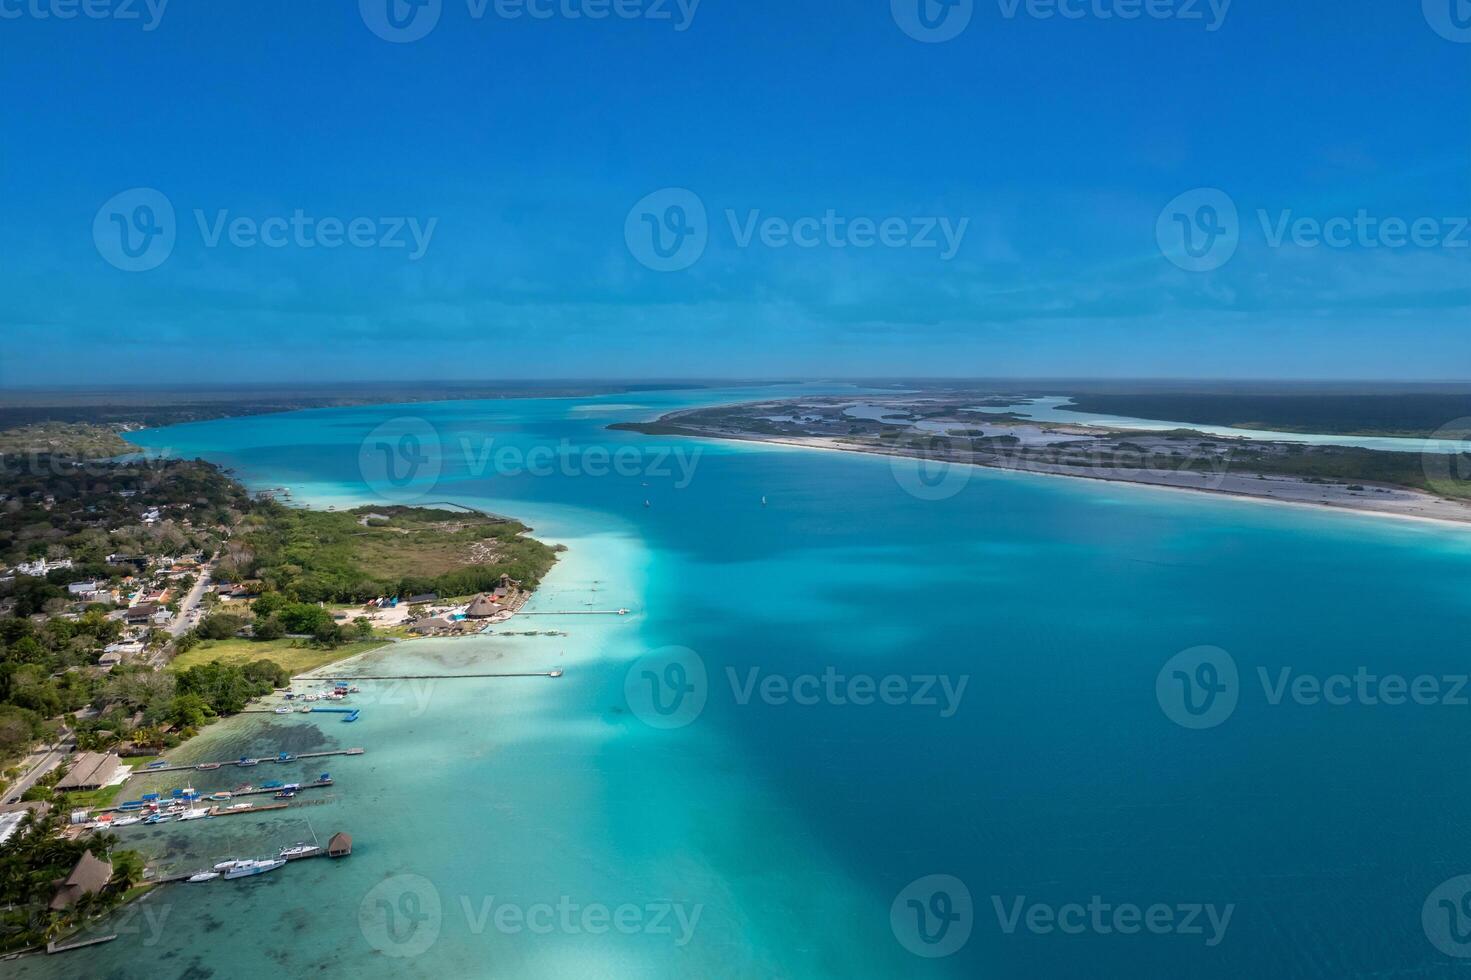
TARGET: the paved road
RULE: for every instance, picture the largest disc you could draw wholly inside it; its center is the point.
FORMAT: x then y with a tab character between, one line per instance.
49	760
181	623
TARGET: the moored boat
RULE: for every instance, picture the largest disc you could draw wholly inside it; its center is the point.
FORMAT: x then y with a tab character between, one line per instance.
204	876
253	868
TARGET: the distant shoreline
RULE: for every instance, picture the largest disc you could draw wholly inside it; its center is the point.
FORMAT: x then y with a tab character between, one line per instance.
1395	502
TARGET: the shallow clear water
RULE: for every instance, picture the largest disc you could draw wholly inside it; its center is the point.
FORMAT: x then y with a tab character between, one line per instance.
791	829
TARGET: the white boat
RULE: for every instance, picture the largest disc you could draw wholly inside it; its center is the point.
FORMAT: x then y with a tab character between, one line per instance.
232	863
204	876
239	806
298	850
253	868
126	821
283	711
193	815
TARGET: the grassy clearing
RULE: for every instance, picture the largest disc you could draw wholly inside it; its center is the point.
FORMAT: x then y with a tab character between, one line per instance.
296	656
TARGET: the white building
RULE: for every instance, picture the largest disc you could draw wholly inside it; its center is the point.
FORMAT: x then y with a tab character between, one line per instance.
41	566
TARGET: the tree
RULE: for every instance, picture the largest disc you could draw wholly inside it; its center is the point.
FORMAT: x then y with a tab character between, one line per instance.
189	710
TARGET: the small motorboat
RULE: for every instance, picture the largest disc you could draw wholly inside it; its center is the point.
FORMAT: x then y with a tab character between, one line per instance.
285	794
204	876
298	850
555	673
208	766
126	821
283	711
232	863
193	815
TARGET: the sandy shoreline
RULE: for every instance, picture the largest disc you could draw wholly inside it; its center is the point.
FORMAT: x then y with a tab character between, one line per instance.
1386	501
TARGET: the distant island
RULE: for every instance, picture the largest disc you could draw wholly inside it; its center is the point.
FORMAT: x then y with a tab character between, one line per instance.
968	424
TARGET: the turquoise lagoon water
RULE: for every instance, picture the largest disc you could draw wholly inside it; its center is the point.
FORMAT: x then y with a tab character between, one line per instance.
791	829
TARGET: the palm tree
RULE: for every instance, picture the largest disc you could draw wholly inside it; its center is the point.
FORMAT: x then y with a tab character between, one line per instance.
127	869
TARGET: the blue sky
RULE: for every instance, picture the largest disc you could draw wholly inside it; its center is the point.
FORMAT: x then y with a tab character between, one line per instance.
1057	141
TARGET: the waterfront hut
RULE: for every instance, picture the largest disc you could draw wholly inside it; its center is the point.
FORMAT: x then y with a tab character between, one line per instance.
87	878
482	607
340	845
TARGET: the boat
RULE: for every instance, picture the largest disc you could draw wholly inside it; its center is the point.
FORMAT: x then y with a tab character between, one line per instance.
126	821
232	863
253	868
193	815
203	876
244	788
555	673
763	501
298	850
285	794
159	818
221	796
245	761
646	503
271	784
157	764
283	711
208	766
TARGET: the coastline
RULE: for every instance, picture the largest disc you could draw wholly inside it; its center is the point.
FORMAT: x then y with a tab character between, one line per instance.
1399	503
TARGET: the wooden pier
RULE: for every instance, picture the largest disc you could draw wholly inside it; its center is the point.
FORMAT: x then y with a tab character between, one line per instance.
435	677
249	762
577	612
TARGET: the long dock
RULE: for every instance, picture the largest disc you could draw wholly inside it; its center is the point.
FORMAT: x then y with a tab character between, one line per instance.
431	677
576	612
248	761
